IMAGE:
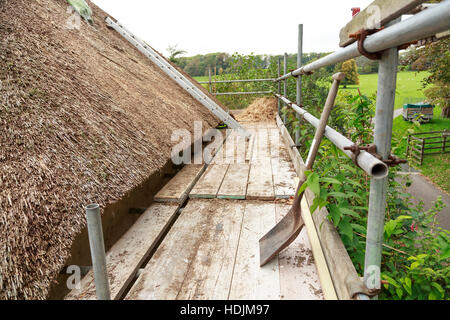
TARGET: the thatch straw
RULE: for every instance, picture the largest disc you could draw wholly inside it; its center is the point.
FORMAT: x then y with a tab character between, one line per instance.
260	110
84	118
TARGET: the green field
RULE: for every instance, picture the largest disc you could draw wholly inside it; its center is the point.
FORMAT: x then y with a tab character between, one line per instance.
409	86
199	79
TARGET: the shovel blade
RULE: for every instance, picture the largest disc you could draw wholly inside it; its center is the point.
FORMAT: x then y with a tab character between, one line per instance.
281	236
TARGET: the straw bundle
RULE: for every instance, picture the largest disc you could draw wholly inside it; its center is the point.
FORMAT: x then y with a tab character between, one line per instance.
262	109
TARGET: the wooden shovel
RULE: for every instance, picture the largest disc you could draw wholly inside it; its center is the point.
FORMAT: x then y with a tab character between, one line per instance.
290	226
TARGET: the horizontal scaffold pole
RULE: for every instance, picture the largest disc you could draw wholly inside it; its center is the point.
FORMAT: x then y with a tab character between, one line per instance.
423	25
239	93
243	80
374	167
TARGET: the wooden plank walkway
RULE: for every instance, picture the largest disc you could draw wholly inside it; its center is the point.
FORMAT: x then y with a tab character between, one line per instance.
125	257
212	249
259	169
234	185
178	187
260	182
220	260
209	184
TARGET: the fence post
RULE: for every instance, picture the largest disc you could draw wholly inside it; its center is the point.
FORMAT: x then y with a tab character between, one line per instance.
285	81
279	85
407	146
422	152
97	245
444	141
387	81
299	80
215	80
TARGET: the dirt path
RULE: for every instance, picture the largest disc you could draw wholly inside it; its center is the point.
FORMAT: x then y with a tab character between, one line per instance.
424	190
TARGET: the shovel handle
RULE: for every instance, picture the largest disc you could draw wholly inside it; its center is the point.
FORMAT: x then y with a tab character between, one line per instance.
337	78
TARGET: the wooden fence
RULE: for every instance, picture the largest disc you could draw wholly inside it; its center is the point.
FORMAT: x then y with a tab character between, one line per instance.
427	143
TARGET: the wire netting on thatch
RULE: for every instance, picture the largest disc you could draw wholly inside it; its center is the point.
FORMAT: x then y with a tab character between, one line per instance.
84	118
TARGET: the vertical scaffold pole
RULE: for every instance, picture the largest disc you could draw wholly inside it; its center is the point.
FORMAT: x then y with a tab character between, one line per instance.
285	81
279	86
387	80
95	231
210	80
299	80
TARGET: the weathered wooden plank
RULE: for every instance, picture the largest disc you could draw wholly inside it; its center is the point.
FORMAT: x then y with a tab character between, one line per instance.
179	186
125	257
261	149
208	185
275	143
164	274
250	146
209	277
260	181
250	281
376	15
283	178
233	151
234	185
196	259
299	279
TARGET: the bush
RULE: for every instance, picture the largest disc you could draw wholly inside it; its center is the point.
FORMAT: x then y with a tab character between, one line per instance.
416	252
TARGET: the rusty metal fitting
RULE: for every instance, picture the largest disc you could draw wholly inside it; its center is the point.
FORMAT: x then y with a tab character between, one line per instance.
392	161
361	36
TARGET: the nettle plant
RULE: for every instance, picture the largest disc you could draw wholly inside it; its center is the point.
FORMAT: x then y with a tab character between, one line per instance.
416	250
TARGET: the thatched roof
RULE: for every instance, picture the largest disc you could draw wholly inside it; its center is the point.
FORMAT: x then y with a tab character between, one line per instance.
84	117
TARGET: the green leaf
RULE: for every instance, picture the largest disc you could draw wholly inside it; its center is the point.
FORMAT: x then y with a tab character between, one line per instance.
302	188
335	214
407	285
313	183
432	296
438	287
356	184
315	205
359	228
399	292
445	254
422	256
401	218
331	180
349	212
390	280
339	195
349	168
389	227
346	228
414	265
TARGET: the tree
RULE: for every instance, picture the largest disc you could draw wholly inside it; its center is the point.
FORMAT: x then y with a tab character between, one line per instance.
350	69
366	66
174	52
435	58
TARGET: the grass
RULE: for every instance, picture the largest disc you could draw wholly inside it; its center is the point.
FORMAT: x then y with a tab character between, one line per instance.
409	86
435	167
204	78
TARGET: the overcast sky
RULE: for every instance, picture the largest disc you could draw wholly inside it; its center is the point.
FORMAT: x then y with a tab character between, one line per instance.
244	26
